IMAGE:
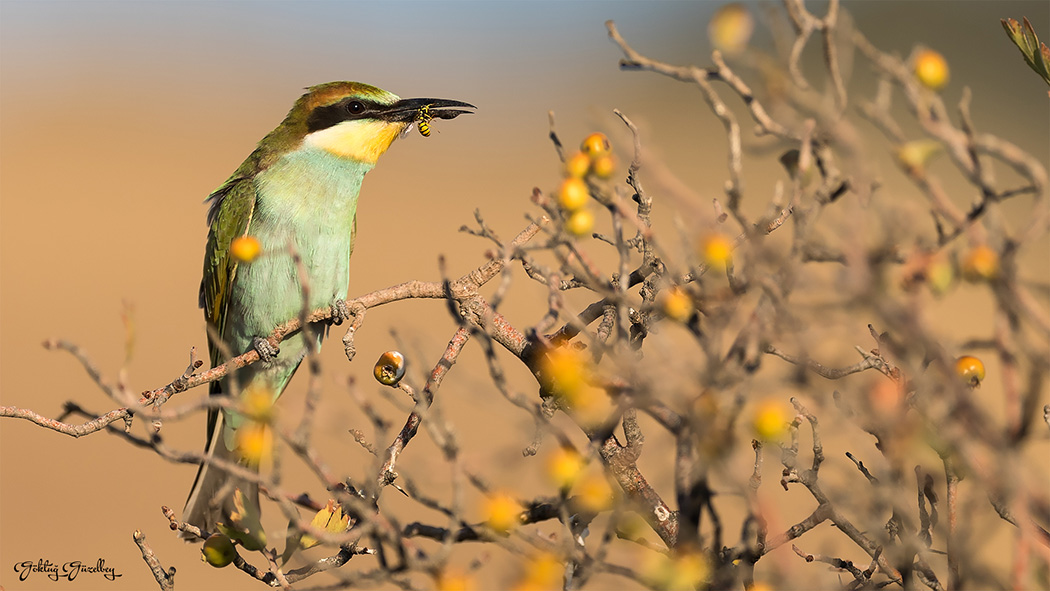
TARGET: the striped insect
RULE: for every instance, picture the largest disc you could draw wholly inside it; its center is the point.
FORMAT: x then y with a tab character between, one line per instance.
423	119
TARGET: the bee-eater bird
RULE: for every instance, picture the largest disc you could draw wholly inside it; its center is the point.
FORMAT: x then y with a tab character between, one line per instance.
298	188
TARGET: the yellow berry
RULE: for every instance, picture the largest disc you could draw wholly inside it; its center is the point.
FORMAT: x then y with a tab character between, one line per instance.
596	145
577	165
542	573
591	406
455	580
678	305
931	69
245	249
770	420
567	369
218	550
503	512
257	403
717	250
688	570
730	28
631	526
604	166
981	263
564	466
573	194
254	442
594	492
656	569
580	223
390	368
970	369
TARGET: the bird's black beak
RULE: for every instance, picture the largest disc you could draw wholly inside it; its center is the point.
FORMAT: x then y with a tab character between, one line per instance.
407	110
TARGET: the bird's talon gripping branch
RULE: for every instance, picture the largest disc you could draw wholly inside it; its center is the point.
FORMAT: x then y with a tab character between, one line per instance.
265	350
340	312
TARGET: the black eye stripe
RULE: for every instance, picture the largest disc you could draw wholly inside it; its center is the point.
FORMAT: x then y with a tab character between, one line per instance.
344	110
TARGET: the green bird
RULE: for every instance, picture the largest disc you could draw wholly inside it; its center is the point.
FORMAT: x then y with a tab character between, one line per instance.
299	188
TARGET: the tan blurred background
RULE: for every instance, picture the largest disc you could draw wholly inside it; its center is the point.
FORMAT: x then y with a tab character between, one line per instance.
118	118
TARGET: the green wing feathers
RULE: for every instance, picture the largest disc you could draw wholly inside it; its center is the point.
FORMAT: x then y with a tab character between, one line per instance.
229	215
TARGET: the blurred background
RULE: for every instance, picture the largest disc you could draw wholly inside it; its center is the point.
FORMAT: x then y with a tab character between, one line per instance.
117	119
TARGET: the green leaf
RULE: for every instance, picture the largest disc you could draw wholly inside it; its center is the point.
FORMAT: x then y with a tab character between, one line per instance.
1036	54
291	541
914	155
1013	30
1031	41
1044	55
245	524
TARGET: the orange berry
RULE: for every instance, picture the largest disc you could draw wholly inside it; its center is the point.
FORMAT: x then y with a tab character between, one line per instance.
390	368
245	249
577	165
573	194
970	369
981	263
596	145
931	69
603	166
885	398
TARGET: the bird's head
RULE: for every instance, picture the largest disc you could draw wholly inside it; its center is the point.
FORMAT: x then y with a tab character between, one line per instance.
358	121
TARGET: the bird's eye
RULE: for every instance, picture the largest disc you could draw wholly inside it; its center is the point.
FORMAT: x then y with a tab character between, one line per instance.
355	107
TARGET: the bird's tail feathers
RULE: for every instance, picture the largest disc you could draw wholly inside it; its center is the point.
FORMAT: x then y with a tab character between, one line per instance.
211	497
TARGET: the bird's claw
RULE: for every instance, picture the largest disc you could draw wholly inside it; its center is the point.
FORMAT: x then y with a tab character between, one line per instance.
265	350
340	312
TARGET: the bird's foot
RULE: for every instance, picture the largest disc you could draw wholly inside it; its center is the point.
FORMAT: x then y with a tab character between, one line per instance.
265	350
340	312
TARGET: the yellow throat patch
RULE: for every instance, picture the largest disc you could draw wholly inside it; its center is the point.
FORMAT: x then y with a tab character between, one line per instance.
362	140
